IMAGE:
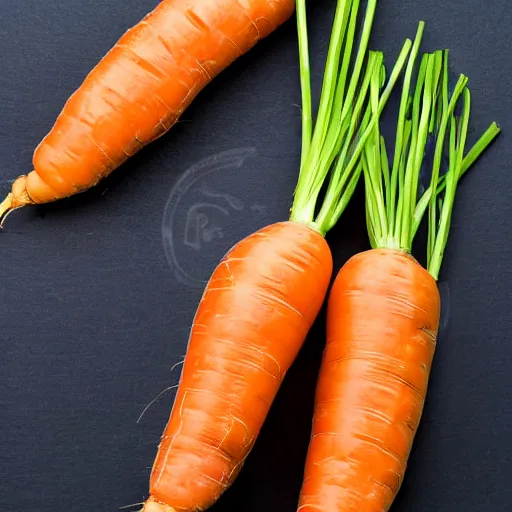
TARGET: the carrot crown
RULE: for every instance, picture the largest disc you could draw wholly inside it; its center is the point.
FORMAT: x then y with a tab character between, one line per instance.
428	120
334	145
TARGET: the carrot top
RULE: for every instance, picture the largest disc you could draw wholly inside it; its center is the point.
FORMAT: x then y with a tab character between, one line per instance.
428	120
333	145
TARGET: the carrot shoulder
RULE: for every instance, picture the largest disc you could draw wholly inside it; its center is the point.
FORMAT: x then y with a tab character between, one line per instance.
261	301
384	307
137	92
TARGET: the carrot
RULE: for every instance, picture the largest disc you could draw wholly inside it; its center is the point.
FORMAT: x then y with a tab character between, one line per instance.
137	92
264	295
252	320
384	307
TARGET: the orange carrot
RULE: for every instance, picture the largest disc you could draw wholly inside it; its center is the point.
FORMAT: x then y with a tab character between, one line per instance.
262	298
138	91
251	322
384	307
383	313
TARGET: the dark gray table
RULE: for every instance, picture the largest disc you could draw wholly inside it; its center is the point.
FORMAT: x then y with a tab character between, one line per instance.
97	292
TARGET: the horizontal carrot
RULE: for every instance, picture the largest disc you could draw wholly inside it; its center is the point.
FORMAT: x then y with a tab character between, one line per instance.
137	92
384	307
264	295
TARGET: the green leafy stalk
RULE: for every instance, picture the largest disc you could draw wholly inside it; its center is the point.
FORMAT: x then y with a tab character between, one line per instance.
487	137
341	170
394	196
334	146
457	144
458	165
402	137
347	170
444	123
373	171
442	114
305	79
394	210
330	80
342	113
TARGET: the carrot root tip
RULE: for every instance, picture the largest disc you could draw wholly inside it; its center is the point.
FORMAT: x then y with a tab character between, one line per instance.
17	198
154	506
6	207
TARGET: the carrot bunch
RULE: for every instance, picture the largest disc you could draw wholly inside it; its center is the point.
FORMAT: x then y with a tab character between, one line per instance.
264	295
384	307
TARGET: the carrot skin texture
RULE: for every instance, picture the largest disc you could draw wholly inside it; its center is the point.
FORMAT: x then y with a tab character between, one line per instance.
253	318
382	323
137	92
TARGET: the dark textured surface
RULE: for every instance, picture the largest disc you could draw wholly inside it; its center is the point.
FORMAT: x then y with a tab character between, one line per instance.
95	303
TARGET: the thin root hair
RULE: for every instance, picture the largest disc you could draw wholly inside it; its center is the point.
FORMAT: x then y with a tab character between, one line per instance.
155	399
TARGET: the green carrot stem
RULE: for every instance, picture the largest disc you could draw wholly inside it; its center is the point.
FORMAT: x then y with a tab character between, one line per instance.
395	228
452	177
337	191
421	115
476	151
393	209
305	79
445	121
320	163
443	114
300	210
399	142
375	160
342	169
